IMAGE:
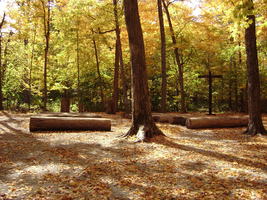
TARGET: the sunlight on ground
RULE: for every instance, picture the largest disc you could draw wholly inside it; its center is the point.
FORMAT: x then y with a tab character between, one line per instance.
188	164
39	170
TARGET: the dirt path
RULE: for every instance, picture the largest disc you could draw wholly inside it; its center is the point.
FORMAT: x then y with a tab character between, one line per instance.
188	164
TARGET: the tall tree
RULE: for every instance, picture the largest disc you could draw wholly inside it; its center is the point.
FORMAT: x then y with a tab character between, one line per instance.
177	57
1	65
141	105
115	95
46	23
255	124
163	58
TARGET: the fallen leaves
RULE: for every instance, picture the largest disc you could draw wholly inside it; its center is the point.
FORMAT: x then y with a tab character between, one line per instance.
189	164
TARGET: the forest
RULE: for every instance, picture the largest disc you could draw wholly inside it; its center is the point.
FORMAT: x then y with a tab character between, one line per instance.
58	48
133	99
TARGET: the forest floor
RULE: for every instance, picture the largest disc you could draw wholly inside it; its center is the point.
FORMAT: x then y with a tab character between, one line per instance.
187	164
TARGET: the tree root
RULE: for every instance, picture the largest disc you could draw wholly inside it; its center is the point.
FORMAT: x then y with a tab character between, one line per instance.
143	132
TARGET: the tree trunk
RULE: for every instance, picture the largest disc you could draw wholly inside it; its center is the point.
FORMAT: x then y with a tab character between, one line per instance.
80	104
46	23
141	105
177	57
30	72
121	63
1	65
255	124
235	84
115	95
98	72
230	86
163	59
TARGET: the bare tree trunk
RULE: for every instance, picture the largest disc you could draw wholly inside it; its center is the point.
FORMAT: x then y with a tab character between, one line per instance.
177	57
98	72
141	105
255	124
121	63
163	59
46	23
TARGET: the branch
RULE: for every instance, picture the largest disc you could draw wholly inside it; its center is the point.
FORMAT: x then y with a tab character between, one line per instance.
3	21
103	32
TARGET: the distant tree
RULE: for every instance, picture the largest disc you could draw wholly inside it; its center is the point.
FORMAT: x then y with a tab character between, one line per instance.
163	59
255	124
141	105
177	56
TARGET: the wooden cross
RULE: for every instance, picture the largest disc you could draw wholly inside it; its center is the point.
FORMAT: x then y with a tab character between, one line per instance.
210	77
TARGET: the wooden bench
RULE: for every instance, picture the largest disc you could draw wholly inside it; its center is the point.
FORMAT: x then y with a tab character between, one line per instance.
46	123
216	122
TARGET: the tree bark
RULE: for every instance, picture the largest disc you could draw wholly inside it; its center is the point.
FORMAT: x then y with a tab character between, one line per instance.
141	105
163	59
177	57
255	124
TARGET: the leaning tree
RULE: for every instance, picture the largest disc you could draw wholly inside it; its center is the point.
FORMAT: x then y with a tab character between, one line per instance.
141	105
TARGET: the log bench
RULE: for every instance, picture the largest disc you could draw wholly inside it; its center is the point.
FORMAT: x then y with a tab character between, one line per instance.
46	123
65	114
162	118
202	121
216	122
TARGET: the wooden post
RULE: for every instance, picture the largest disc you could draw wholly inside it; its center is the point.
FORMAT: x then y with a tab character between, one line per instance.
210	77
65	102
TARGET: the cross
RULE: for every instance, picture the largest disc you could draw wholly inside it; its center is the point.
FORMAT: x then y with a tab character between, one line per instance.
210	77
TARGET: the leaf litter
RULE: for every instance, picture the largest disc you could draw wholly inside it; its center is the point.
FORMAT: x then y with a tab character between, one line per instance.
187	164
